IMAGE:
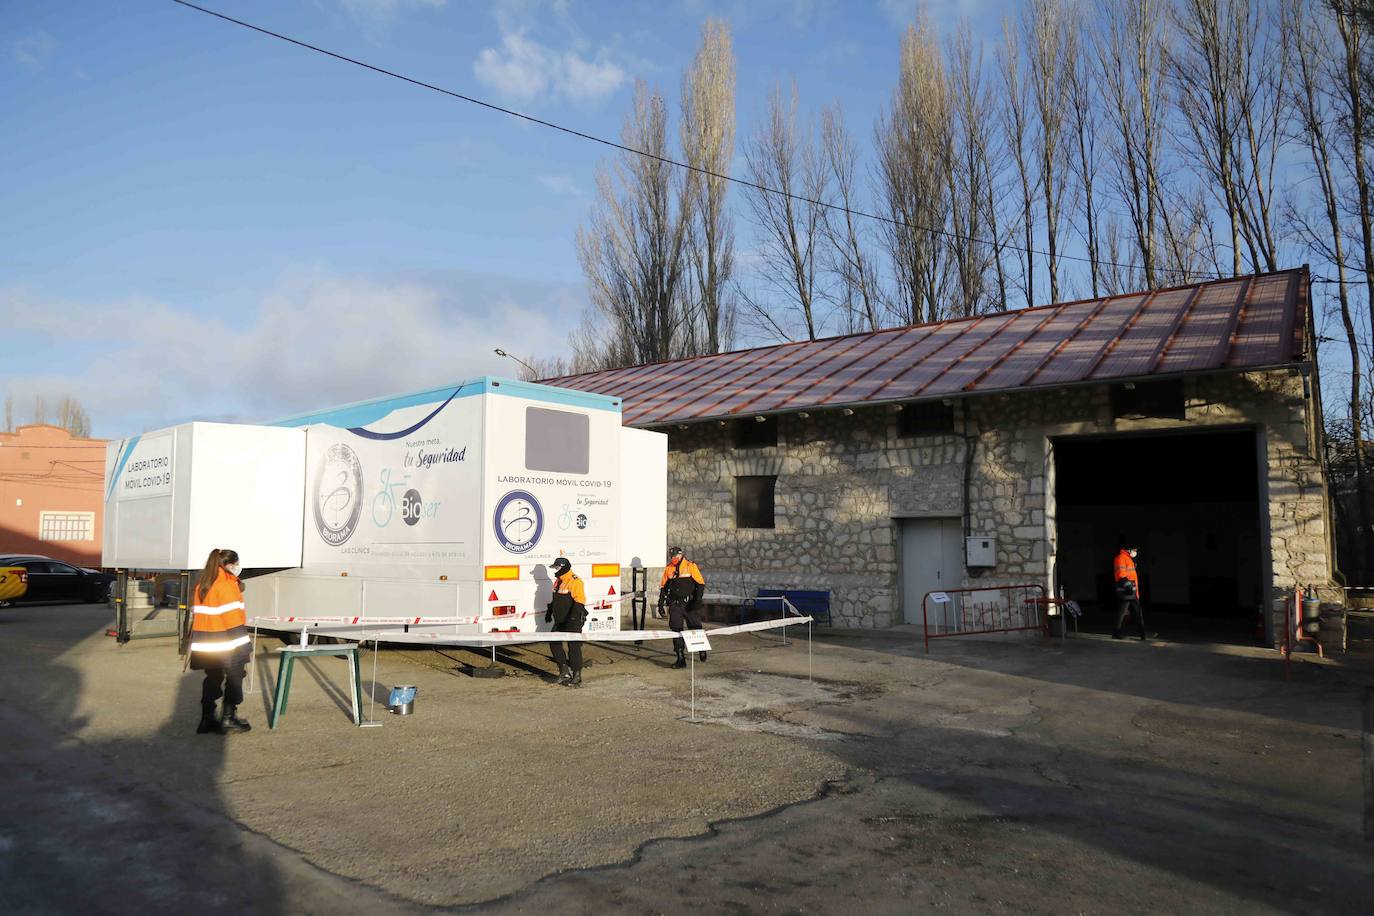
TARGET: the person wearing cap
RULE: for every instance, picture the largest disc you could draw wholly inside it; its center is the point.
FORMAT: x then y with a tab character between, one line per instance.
1127	582
567	611
681	589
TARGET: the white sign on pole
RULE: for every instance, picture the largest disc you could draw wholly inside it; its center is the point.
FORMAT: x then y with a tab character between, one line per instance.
939	597
696	640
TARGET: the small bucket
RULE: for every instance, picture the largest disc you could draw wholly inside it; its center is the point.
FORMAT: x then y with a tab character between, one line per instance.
402	700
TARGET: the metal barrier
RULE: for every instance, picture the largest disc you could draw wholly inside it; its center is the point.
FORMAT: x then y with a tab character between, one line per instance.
989	609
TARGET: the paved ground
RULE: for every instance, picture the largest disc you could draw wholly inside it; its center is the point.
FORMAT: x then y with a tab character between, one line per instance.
989	776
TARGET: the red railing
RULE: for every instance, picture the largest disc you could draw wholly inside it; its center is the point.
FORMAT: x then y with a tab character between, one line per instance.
989	609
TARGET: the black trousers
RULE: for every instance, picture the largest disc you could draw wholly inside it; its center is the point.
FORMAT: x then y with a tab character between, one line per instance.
678	614
1124	615
222	681
572	655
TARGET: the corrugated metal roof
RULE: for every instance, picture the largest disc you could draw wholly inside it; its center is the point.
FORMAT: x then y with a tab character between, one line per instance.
1241	323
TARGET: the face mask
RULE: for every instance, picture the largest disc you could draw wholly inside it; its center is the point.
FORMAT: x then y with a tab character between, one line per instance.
234	569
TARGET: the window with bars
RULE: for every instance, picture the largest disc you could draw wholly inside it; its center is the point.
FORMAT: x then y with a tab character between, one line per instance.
66	526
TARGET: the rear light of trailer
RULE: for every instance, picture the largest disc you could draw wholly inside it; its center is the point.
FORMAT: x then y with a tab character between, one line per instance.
503	610
602	570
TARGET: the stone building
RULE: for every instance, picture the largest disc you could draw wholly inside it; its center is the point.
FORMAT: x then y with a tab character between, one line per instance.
1019	447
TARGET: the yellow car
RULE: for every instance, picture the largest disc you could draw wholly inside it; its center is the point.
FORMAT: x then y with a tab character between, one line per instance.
14	582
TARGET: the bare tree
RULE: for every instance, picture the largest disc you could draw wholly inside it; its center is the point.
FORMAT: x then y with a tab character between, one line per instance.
40	409
708	143
633	251
1314	94
783	157
1206	66
1048	36
1130	52
1083	117
972	215
9	413
1015	125
1354	116
72	417
913	141
848	259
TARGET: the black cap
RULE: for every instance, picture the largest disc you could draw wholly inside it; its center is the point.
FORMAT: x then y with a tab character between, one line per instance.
674	552
560	566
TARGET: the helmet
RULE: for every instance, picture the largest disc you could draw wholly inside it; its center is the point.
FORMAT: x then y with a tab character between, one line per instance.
560	566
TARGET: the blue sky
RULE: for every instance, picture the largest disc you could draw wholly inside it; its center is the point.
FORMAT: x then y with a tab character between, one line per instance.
197	221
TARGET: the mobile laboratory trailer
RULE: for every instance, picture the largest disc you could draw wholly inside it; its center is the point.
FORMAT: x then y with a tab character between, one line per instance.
447	503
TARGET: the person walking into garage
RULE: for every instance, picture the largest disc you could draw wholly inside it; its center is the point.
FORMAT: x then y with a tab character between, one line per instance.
1127	583
681	589
567	611
220	644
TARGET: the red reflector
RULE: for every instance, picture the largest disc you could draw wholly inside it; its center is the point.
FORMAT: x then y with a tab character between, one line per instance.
492	596
612	591
501	610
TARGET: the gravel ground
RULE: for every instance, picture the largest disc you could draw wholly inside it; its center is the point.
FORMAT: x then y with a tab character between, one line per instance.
991	775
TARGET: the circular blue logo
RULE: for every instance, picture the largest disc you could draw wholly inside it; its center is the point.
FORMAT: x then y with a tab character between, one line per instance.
519	521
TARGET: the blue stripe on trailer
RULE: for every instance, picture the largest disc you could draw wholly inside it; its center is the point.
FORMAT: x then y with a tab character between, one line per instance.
356	417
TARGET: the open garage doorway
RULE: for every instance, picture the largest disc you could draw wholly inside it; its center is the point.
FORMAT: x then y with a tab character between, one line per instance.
1191	503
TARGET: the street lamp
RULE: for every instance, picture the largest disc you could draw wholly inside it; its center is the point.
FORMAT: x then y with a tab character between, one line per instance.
533	372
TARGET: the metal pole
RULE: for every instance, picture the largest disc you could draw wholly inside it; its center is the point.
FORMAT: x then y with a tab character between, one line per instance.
253	662
372	707
808	651
694	685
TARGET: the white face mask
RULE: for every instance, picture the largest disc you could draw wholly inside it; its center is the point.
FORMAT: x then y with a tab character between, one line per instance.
234	569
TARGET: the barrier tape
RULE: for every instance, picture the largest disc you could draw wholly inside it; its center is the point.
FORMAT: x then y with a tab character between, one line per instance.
486	640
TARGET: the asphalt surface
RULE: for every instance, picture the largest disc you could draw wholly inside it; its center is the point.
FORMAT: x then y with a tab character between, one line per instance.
999	775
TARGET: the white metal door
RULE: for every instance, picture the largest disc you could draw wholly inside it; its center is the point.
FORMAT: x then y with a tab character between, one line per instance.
932	560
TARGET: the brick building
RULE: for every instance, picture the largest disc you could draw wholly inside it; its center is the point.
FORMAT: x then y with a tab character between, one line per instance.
1011	447
51	499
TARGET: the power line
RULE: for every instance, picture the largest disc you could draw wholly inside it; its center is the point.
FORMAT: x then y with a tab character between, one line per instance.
668	160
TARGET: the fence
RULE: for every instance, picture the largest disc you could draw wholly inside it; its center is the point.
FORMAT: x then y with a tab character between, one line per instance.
975	611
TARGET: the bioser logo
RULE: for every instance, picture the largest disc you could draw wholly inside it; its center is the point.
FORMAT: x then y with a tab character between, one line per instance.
519	521
338	494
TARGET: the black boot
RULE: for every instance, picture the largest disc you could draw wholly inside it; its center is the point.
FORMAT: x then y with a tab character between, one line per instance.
701	656
575	680
231	722
209	724
681	658
564	675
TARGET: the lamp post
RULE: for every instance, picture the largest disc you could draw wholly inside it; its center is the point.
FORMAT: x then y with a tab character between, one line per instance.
533	373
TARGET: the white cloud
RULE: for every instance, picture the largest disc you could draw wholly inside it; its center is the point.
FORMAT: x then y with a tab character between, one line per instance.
560	184
522	69
33	50
314	341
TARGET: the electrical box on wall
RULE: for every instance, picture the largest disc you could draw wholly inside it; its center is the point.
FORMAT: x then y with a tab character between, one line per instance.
980	551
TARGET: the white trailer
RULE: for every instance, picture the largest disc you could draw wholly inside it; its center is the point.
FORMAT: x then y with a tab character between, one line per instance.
448	503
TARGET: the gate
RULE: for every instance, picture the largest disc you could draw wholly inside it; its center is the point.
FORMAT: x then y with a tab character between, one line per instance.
975	611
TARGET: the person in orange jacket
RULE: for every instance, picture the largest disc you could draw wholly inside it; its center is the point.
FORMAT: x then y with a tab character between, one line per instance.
1127	582
567	611
220	644
681	589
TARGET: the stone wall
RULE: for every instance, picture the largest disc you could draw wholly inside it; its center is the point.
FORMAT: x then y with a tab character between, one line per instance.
845	481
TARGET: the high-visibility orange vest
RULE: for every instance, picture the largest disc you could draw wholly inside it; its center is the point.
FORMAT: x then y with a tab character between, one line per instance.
219	625
1123	567
570	584
681	567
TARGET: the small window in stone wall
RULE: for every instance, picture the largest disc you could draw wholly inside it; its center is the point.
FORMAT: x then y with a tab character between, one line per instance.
754	501
755	433
1148	399
925	420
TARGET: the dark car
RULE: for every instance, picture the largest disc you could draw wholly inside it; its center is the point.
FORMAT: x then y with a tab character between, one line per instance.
53	580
